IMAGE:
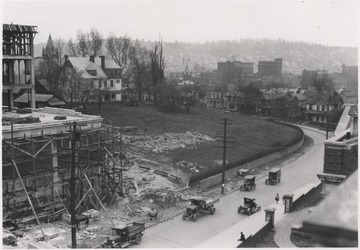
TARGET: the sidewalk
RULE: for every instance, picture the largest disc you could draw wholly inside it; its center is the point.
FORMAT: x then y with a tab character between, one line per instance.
251	225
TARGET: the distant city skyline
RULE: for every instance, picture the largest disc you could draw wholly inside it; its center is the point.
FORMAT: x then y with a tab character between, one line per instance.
327	22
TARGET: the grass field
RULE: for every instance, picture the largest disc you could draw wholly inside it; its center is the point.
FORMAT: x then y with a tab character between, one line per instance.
252	134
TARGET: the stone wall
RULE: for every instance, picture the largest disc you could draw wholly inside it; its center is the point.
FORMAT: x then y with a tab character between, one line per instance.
216	179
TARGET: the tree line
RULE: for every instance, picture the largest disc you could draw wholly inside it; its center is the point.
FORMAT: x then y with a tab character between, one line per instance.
144	66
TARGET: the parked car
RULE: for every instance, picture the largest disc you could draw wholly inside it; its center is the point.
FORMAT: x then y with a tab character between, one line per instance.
199	205
124	234
249	183
274	176
249	207
243	172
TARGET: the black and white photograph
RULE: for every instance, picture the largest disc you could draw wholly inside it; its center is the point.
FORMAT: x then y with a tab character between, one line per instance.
179	124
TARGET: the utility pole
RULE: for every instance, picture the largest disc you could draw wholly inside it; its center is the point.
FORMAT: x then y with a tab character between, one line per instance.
72	185
75	136
225	137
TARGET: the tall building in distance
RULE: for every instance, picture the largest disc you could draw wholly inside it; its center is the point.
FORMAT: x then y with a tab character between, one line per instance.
233	67
270	68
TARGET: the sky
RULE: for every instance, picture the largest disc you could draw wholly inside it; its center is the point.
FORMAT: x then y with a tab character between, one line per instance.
327	22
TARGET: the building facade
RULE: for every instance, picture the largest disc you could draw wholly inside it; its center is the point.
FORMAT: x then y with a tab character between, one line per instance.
270	68
103	74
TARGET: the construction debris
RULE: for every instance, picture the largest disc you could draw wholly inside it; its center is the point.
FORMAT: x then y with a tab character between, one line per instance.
9	239
167	141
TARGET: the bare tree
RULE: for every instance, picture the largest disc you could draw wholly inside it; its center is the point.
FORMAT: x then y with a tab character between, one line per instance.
94	42
71	48
68	86
60	50
49	70
121	51
81	43
157	68
140	66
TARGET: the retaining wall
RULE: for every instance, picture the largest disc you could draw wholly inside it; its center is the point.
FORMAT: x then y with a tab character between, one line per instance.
253	239
216	179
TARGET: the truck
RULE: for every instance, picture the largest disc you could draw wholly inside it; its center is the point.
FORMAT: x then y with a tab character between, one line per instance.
124	234
199	205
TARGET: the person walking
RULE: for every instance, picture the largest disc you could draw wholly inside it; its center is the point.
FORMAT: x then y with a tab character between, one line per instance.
242	237
277	198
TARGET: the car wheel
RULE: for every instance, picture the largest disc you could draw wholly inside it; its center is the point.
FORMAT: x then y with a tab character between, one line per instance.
212	210
138	239
117	245
239	210
194	217
266	182
184	217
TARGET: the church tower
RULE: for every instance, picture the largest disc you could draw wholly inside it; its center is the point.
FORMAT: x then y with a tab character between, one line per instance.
49	52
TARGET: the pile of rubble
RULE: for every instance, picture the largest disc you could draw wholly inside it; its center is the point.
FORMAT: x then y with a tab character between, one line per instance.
167	141
188	166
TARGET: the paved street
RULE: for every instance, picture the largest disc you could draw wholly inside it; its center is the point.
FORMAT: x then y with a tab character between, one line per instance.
179	233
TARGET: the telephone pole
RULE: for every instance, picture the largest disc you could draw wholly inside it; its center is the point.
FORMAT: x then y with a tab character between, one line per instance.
74	136
225	140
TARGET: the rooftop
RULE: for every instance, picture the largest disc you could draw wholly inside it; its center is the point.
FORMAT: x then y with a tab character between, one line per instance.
45	123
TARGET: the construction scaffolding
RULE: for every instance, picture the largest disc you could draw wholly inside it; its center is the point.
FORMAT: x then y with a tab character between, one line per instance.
42	164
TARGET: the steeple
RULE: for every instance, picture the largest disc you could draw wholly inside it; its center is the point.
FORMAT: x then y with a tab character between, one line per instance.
50	50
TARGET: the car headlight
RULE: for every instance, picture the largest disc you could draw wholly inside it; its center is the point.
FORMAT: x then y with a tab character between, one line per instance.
113	242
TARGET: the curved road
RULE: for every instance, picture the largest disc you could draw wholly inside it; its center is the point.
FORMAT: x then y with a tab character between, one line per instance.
187	234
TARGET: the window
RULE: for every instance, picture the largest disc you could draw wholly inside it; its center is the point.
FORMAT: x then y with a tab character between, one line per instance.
92	72
105	84
68	71
117	80
111	83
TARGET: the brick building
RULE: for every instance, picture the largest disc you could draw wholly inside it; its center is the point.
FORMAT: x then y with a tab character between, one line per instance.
270	68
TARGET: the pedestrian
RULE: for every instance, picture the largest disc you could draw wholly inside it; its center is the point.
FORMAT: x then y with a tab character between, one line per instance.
242	237
277	198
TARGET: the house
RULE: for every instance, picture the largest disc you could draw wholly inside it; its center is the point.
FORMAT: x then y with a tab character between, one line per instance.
275	105
104	74
215	98
318	108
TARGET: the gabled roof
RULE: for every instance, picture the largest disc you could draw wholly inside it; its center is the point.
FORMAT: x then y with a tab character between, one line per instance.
300	97
83	64
50	99
109	63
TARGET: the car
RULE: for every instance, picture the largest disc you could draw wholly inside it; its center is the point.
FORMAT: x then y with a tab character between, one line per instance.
249	207
199	205
124	234
249	183
274	176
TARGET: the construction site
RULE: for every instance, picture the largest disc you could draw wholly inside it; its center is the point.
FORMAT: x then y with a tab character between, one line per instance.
114	180
58	162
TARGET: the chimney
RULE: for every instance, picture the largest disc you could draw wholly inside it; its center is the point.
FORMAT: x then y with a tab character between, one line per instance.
66	57
102	62
92	59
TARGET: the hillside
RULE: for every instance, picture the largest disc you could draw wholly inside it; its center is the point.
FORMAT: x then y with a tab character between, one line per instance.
296	55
